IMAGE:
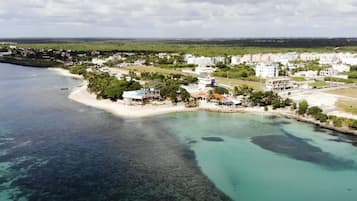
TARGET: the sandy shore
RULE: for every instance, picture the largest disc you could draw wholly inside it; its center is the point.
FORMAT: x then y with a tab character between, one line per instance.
82	95
65	72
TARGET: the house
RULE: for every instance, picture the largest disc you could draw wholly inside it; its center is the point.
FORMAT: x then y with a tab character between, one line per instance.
140	96
131	97
267	70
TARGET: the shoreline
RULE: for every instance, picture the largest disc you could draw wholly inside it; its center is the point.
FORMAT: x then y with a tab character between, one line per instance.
83	96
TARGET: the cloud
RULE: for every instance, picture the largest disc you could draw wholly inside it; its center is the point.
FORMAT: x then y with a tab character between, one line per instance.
178	18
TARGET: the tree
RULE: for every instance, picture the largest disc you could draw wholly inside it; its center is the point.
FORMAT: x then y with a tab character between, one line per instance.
314	111
276	104
235	91
79	70
221	90
185	96
303	106
353	124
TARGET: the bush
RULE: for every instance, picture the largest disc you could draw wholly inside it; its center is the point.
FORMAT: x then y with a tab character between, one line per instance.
303	106
221	90
79	70
337	121
353	124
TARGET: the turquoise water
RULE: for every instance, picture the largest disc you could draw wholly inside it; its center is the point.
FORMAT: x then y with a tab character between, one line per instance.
260	158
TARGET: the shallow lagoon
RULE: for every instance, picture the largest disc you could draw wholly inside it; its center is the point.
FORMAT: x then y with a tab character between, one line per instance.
265	158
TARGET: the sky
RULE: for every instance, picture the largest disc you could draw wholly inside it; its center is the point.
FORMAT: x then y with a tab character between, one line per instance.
178	18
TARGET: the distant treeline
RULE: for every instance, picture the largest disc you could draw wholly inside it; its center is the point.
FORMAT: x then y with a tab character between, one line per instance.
256	42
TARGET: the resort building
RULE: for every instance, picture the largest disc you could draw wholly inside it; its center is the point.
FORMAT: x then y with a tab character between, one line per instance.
279	84
267	70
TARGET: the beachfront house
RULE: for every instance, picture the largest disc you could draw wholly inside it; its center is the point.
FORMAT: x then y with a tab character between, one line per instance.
140	96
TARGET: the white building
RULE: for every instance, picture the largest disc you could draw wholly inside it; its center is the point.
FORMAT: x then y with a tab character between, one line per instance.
200	61
307	74
267	70
235	60
204	81
279	84
328	72
204	70
341	68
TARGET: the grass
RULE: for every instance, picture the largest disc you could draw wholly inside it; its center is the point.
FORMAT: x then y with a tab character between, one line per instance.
236	82
153	69
349	92
318	84
298	79
349	106
201	49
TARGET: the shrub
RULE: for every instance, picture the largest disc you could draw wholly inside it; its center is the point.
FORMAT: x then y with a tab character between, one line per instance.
303	106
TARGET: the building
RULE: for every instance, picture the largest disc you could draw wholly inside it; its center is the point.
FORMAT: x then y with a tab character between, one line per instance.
203	82
328	72
311	74
200	61
140	96
341	68
204	70
267	70
131	97
235	60
279	84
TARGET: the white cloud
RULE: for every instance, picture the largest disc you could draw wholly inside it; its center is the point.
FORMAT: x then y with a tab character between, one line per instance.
178	18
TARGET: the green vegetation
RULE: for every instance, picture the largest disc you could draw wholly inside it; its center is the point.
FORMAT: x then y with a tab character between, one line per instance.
317	114
42	63
318	84
79	70
298	79
199	49
109	87
257	85
310	65
346	105
352	75
243	72
303	106
243	90
259	98
347	81
220	90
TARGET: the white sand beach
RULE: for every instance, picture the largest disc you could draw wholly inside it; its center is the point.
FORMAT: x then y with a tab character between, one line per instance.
65	72
82	95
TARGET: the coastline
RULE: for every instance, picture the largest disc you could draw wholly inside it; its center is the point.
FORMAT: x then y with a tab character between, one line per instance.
83	96
65	73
